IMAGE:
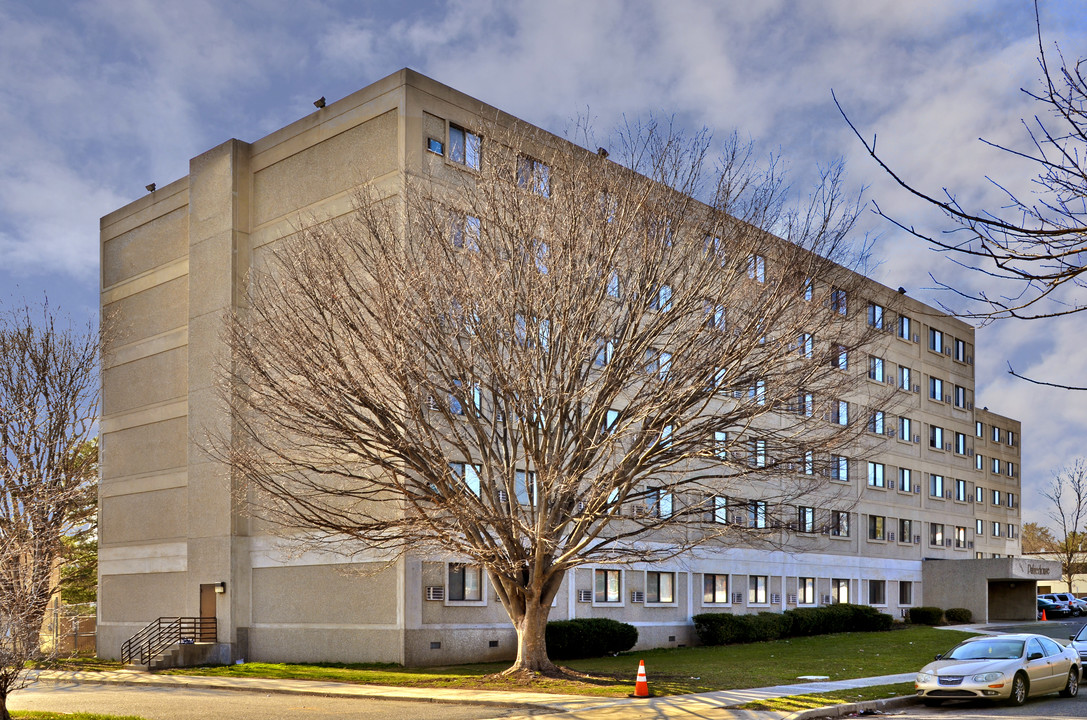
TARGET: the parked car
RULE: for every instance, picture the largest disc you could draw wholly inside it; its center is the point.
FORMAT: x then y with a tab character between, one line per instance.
1076	607
1000	667
1052	608
1079	644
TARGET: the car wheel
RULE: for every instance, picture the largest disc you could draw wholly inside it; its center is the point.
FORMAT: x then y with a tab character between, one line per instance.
1019	690
1071	688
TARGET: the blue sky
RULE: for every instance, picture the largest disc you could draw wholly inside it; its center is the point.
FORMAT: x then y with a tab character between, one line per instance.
101	97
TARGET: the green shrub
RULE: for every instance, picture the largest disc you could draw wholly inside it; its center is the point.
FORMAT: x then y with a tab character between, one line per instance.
727	629
925	615
958	616
588	637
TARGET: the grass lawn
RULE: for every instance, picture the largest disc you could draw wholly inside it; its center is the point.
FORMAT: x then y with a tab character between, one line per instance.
795	703
670	671
41	715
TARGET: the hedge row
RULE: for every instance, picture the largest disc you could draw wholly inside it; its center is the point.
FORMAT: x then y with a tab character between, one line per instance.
927	615
588	637
727	629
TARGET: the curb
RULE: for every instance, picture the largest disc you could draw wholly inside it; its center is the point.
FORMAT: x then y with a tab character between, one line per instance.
836	711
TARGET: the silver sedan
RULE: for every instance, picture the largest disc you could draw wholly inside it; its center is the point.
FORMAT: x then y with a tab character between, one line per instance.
1002	667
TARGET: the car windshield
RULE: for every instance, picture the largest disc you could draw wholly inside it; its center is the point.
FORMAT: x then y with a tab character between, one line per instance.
987	650
1082	634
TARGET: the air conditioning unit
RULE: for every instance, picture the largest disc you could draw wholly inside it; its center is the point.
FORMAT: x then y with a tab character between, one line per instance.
775	598
791	599
891	484
947	494
503	496
916	439
917	388
737	598
739	519
916	338
435	592
580	506
947	542
969	498
891	433
827	600
905	612
970	452
970	544
947	398
641	510
890	380
947	446
584	596
917	489
916	539
947	350
969	359
637	596
969	406
431	403
890	537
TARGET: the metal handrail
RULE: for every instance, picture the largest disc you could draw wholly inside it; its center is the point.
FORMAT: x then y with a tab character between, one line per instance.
159	634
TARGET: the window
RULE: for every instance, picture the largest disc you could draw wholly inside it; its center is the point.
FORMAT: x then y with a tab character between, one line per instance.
1011	530
719	509
756	268
805	519
1011	499
875	316
935	340
875	368
660	587
714	248
840	358
841	413
960	396
465	232
468	474
714	588
808	290
757	392
936	388
979	462
807	463
659	502
534	175
979	494
610	418
876	474
614	288
877	592
905	479
960	490
960	443
935	534
960	350
606	586
904	329
665	440
756	590
996	466
839	468
979	429
960	537
525	487
905	428
805	404
756	514
435	146
758	453
839	590
805	591
715	316
839	301
720	444
905	592
904	378
996	498
465	583
936	437
877	527
662	299
604	353
996	434
464	147
936	485
905	530
1011	438
839	523
996	529
805	345
979	527
658	362
876	422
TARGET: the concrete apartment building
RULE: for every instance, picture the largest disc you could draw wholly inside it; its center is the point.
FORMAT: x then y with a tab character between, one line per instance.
944	486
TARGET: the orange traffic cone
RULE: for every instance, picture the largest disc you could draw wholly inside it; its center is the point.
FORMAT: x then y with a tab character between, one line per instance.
1043	615
641	687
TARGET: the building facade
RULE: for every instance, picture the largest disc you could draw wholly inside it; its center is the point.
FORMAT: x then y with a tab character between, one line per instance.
942	484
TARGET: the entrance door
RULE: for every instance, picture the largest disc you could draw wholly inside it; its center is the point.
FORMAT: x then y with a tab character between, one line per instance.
207	611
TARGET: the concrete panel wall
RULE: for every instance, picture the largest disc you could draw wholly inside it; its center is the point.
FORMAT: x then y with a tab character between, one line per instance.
145	448
143	517
153	311
129	388
145	247
324	594
272	644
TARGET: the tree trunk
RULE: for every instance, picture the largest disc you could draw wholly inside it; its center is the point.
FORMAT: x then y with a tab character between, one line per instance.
531	640
4	714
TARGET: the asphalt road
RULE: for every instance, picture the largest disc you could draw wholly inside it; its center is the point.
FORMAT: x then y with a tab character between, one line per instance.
161	703
1047	706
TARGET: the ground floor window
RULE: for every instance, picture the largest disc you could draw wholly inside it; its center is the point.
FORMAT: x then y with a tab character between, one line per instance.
905	592
756	589
606	586
465	582
805	591
660	587
877	592
840	590
714	588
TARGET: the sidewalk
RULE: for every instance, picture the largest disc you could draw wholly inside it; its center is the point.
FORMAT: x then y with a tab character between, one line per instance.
573	707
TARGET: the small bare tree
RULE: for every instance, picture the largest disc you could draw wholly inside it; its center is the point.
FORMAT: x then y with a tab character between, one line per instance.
1029	250
48	412
554	359
1067	494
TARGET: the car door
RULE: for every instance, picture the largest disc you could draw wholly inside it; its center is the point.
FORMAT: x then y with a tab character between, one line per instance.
1059	662
1038	669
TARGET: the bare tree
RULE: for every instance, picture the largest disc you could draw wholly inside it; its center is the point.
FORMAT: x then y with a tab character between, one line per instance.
1031	246
1067	494
1037	538
48	411
553	361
